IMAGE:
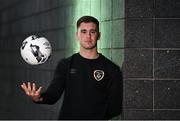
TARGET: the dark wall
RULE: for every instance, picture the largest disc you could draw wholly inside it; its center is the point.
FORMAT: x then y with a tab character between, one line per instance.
55	20
152	59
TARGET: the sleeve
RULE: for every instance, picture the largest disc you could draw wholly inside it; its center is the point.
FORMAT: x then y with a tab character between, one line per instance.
115	93
57	85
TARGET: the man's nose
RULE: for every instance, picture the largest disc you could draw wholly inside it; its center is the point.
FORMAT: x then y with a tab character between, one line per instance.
88	34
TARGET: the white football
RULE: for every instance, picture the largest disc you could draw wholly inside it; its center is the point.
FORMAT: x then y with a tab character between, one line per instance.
35	50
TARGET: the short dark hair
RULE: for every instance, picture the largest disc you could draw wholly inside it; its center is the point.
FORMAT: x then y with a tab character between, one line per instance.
87	19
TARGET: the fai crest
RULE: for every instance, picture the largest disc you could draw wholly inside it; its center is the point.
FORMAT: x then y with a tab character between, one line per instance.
98	75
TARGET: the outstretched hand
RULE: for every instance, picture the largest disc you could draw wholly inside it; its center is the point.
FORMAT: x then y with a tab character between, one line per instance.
31	90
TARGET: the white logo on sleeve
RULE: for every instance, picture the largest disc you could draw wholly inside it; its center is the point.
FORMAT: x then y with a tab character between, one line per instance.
98	75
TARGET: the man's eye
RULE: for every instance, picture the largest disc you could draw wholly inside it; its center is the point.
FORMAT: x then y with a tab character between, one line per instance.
83	31
93	32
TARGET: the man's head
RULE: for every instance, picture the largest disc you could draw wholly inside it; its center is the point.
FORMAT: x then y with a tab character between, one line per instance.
88	19
88	32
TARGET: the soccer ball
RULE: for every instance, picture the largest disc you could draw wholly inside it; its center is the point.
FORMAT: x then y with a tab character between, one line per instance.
35	50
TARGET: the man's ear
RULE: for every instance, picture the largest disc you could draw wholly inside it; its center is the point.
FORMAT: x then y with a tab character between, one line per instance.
99	35
76	34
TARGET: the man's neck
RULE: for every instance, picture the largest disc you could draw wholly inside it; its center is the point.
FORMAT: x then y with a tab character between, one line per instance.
89	54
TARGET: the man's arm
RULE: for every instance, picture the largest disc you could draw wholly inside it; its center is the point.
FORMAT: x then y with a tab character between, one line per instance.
115	93
56	87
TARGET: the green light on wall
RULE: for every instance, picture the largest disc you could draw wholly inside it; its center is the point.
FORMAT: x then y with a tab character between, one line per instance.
110	13
80	8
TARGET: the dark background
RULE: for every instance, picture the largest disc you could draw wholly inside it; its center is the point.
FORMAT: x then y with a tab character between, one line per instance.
141	35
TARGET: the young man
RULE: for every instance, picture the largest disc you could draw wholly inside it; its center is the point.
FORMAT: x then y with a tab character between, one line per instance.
92	84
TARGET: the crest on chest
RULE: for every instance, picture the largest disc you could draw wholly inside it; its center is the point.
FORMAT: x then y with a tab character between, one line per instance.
98	75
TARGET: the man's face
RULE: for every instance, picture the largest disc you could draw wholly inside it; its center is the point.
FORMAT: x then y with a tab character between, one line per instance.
88	35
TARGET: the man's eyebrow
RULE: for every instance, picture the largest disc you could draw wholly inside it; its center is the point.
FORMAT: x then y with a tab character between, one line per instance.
89	30
93	30
83	30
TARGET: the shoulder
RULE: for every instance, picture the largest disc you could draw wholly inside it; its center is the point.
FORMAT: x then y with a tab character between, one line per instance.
64	63
67	59
113	69
110	63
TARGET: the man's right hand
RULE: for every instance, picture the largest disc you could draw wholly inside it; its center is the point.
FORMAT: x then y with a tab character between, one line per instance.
32	91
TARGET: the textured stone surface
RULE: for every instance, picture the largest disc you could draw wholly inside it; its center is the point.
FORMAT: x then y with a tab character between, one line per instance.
138	114
138	94
138	63
152	53
167	33
139	8
139	33
167	114
167	64
167	8
166	94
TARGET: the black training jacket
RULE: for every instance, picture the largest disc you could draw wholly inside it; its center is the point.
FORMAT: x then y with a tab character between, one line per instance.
92	88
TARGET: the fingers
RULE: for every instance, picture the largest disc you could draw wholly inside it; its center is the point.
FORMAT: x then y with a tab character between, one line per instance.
29	86
33	87
23	85
25	88
30	89
38	91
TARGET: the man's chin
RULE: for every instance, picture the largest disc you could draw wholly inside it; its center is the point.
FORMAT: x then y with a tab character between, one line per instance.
90	48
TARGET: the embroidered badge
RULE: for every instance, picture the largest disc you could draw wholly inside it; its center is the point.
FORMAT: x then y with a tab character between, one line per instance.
73	70
98	75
